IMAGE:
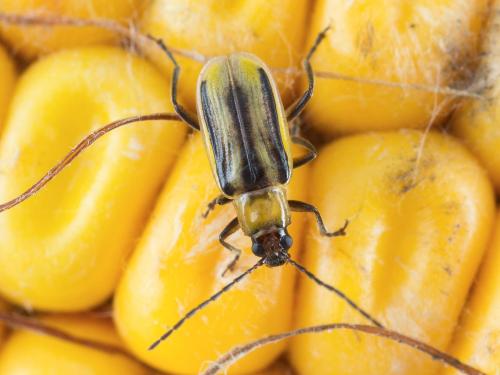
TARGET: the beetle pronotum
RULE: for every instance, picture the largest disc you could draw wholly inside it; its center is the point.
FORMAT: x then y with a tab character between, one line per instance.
248	143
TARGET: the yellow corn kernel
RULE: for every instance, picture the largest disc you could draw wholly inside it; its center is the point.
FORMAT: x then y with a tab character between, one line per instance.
8	74
274	30
423	42
64	248
477	121
420	217
31	353
32	41
179	263
477	341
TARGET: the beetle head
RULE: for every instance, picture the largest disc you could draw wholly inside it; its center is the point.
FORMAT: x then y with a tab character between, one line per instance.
272	245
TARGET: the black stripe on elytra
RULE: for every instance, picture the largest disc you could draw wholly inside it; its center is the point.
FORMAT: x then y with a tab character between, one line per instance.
253	173
215	140
274	145
223	145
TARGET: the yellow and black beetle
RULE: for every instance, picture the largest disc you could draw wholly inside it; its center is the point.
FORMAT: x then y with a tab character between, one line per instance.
248	143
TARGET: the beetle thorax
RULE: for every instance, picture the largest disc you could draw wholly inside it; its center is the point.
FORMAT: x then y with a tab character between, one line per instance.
262	210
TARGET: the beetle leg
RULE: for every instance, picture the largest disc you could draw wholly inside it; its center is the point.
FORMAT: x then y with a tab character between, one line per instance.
304	159
232	227
190	119
295	126
220	200
296	108
299	206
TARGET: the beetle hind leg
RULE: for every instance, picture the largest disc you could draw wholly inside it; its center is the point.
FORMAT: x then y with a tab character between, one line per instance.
232	227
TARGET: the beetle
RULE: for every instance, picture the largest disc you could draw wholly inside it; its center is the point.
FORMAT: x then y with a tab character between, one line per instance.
248	143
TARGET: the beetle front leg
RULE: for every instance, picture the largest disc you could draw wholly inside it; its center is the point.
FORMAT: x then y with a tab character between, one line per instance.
220	200
232	227
299	206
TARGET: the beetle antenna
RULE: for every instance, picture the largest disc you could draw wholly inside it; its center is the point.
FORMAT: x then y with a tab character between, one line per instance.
30	324
214	297
338	292
84	144
240	351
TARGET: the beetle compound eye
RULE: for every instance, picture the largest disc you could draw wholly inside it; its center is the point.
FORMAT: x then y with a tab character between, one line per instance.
286	242
258	249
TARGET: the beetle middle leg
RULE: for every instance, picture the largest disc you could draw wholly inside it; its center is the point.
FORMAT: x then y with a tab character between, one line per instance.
232	227
299	206
296	108
218	201
311	151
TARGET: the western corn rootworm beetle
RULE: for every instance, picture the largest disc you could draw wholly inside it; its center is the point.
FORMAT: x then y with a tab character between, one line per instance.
248	143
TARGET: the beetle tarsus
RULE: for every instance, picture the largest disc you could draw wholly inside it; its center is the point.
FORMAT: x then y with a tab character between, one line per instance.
232	227
220	200
232	264
338	232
